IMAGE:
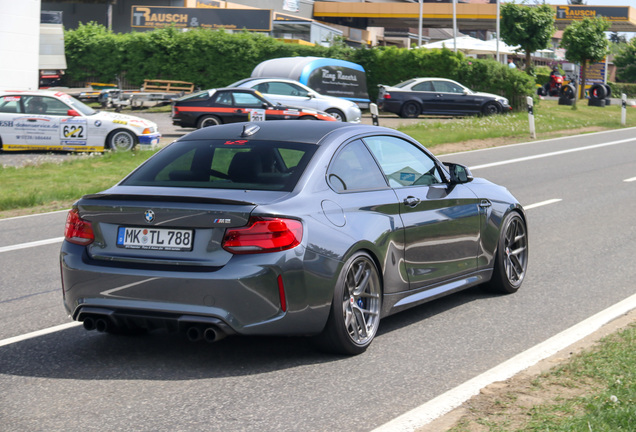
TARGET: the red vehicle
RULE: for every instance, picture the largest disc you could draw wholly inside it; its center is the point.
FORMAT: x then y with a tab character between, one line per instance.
231	105
552	87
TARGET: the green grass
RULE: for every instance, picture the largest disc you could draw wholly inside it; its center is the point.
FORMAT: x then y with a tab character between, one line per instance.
551	120
41	185
593	391
612	370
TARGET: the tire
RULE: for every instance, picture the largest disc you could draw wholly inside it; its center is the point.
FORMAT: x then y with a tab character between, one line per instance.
568	91
596	102
410	110
608	91
339	115
565	101
355	310
208	120
491	108
307	118
541	91
511	257
121	140
598	91
608	101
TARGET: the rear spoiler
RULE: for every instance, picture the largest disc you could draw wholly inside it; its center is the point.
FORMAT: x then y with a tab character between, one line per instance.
168	198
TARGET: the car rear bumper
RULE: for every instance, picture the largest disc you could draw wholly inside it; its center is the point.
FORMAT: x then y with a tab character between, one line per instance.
244	295
389	106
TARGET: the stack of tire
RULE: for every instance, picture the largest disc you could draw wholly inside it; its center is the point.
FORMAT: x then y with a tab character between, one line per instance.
599	95
567	94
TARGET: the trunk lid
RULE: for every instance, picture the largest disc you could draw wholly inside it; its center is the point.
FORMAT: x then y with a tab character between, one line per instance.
173	226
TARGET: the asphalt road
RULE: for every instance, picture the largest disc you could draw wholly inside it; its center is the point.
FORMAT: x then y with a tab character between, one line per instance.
581	261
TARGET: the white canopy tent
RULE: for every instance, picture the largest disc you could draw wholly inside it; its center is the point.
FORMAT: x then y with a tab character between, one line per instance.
471	45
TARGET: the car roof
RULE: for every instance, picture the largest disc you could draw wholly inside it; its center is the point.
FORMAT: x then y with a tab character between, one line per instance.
246	80
305	131
31	92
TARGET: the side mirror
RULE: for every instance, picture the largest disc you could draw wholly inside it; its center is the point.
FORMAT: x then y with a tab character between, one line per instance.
465	91
72	113
311	95
459	173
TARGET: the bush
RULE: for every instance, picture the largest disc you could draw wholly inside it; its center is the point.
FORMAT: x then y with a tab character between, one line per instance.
216	58
620	88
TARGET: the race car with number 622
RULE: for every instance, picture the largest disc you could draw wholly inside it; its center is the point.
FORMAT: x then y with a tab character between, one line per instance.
53	120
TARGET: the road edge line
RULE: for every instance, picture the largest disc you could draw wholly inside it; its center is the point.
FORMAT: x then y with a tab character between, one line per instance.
448	401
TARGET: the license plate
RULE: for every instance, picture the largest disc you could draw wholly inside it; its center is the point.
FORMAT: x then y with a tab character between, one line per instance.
155	239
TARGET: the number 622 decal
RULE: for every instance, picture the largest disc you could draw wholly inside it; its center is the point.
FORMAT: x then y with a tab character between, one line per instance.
73	131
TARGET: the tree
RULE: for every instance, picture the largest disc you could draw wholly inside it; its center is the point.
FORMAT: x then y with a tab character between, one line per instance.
529	27
625	61
616	38
585	42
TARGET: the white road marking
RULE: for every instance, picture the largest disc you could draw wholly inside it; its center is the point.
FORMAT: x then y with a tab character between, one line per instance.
37	333
452	399
630	179
542	203
32	215
30	244
545	155
534	142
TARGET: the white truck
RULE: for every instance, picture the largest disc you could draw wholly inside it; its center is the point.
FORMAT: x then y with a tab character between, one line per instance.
52	62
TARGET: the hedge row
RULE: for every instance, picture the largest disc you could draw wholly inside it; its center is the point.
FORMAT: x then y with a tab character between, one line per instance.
216	58
619	88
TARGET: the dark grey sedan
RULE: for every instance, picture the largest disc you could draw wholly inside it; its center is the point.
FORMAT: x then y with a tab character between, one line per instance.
440	96
286	228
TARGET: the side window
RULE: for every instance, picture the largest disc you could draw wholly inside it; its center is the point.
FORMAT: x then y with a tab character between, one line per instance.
447	87
403	163
247	100
10	104
224	98
353	168
55	107
44	105
424	86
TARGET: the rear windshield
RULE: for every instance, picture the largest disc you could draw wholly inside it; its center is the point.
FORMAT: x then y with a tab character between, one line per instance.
223	164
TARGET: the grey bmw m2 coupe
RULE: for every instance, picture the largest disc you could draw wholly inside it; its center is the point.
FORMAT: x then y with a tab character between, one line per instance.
286	228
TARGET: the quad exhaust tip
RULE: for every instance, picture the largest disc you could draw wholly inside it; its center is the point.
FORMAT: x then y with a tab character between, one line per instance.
194	331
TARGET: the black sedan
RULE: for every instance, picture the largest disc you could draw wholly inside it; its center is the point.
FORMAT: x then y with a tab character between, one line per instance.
438	96
231	105
286	228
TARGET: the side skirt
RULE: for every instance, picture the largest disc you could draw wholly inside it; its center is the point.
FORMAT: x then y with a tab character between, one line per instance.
393	303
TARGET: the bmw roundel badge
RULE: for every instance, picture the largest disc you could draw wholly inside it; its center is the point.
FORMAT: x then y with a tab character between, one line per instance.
149	216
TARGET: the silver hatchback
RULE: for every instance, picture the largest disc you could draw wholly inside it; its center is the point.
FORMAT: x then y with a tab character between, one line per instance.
292	93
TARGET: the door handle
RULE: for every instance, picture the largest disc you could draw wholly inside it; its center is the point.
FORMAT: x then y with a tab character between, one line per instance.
411	201
485	204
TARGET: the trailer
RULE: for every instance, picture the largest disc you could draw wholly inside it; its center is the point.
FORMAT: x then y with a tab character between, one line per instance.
153	93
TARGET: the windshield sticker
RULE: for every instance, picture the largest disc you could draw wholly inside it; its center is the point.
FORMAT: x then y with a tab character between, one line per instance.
11	98
237	142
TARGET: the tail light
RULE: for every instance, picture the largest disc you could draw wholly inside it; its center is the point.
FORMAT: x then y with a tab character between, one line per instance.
262	235
386	95
77	230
